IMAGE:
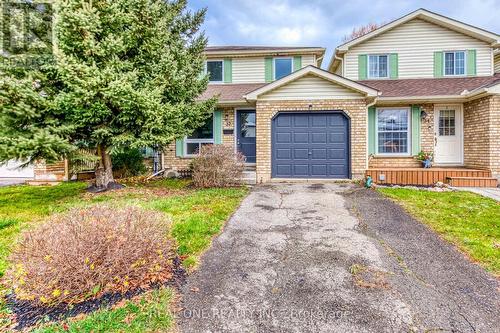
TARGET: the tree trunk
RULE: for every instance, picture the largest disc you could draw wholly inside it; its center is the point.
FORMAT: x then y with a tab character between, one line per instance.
104	171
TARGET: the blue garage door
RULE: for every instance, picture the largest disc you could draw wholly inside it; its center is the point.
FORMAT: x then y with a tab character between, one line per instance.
310	145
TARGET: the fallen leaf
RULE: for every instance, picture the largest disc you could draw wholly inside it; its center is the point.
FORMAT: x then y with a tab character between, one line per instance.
195	289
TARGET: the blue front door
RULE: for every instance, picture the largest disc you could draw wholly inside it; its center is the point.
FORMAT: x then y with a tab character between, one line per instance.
245	131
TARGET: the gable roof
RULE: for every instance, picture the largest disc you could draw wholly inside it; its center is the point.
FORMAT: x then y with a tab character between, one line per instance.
311	70
426	15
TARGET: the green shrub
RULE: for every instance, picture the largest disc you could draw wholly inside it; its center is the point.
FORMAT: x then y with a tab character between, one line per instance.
128	163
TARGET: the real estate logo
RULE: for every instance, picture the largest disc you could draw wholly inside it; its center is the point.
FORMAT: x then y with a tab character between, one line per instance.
27	35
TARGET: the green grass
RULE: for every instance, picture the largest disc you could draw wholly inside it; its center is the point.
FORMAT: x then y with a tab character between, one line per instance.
21	205
151	313
197	215
468	220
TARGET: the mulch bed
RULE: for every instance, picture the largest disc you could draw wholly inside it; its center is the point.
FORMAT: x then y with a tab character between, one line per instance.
28	314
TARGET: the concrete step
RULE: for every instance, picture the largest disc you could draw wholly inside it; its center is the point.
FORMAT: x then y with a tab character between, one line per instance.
472	181
249	177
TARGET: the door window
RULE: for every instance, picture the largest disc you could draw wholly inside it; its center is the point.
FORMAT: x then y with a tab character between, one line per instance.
247	125
446	122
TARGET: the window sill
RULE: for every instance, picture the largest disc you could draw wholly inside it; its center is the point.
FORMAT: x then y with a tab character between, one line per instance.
391	156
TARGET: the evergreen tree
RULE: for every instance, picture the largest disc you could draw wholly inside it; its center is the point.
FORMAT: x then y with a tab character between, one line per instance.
126	73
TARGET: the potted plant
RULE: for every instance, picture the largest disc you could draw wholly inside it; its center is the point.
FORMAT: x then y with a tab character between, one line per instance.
426	158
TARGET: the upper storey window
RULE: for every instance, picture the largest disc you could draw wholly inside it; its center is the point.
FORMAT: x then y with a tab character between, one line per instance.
282	67
454	63
215	70
378	66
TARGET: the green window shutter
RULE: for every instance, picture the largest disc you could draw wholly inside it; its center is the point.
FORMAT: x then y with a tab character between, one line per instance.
362	67
218	127
297	63
269	69
393	62
415	129
372	123
179	148
438	64
471	63
228	70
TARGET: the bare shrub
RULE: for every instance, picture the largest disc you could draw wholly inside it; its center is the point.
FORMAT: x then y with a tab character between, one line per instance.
88	252
361	31
217	166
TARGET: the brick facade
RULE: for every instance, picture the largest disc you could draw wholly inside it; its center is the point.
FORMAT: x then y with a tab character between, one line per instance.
171	161
50	172
482	134
356	109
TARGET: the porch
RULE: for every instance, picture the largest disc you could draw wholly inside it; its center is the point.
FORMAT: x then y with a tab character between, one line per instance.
457	177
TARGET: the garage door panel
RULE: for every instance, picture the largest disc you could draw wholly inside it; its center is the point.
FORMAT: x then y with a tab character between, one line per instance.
310	145
337	154
284	138
284	154
301	137
300	121
301	153
284	169
300	170
319	121
337	137
319	170
319	153
318	137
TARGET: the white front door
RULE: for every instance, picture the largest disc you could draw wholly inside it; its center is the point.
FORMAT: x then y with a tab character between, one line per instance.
448	120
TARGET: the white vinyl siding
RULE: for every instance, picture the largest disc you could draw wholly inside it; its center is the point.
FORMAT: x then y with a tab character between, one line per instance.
497	63
308	60
310	87
248	70
415	43
252	69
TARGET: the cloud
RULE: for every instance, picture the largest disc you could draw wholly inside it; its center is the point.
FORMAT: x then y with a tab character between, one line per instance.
323	22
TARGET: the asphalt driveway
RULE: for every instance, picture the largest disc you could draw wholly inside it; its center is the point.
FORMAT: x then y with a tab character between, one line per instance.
334	258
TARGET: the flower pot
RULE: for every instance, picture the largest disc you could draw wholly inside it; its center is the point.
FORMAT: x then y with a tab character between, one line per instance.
427	163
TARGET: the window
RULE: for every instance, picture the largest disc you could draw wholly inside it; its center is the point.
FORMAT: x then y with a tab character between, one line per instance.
446	122
215	70
378	66
200	137
393	131
454	63
282	67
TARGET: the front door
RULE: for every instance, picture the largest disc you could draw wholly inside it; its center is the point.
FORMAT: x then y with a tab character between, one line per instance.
245	125
448	135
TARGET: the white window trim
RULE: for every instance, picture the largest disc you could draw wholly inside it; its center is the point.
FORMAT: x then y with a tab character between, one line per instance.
274	65
199	141
388	66
407	154
206	69
454	67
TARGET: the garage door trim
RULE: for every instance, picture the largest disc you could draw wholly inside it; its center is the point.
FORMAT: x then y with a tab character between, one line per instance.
273	124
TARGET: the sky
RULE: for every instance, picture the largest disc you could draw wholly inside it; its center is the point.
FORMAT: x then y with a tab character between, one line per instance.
323	22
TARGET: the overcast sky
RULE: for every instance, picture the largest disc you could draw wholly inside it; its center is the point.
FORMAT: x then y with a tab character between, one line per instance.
323	22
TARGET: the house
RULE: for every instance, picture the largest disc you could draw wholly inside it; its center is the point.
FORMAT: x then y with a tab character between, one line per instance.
424	82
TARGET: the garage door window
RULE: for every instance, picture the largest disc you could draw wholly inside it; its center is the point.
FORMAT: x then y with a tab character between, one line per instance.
393	131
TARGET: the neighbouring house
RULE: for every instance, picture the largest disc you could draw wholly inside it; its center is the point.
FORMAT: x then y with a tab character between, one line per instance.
422	82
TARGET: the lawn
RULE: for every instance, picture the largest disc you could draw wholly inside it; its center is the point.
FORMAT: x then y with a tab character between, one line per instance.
468	220
197	215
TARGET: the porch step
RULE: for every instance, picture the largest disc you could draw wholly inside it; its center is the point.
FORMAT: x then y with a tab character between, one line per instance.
421	176
249	177
472	181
